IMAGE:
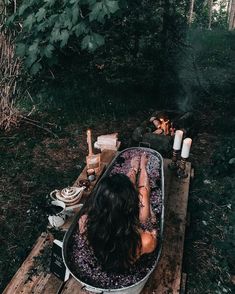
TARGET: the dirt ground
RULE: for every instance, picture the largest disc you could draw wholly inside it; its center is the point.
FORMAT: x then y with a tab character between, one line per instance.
34	162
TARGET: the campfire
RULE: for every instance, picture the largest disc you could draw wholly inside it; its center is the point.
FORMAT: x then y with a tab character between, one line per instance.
163	126
158	130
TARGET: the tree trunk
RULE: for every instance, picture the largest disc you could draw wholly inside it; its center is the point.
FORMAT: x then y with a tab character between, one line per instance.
228	9
190	16
210	5
231	25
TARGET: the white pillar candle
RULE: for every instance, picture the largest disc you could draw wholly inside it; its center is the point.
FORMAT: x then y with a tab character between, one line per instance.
186	147
178	140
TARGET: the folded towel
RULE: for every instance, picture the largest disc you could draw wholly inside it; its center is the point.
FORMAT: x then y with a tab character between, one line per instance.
107	146
110	139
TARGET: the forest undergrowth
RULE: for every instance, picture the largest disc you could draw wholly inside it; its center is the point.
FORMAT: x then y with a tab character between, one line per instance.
209	249
35	161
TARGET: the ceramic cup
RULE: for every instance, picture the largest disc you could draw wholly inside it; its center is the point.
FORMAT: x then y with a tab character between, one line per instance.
58	219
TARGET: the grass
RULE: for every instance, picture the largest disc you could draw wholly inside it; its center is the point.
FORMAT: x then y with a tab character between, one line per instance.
35	162
210	244
27	176
209	70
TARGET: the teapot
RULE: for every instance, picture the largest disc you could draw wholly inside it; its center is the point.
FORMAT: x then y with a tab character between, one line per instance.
69	195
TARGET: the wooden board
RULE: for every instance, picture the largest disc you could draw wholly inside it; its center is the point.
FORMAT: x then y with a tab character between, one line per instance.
166	278
23	282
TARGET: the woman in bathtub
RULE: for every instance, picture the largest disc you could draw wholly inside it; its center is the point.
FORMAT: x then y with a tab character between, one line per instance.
114	218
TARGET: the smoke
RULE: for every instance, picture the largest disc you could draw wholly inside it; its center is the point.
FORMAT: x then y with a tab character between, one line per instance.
205	69
187	80
187	84
184	103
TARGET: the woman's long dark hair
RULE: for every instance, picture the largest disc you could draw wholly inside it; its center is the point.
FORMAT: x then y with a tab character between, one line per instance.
112	222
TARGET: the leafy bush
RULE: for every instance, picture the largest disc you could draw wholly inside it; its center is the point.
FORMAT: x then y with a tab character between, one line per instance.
219	14
48	25
136	61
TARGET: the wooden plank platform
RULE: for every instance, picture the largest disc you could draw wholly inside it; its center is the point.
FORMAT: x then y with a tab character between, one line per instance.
167	276
23	282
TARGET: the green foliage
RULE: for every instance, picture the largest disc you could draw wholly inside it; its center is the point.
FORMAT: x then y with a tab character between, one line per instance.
136	61
219	14
142	36
49	26
92	41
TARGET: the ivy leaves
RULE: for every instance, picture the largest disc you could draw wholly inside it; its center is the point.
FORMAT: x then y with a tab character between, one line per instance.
101	9
48	51
28	23
40	14
92	42
20	49
49	26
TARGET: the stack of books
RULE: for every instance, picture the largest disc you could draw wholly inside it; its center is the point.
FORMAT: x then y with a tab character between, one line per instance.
108	142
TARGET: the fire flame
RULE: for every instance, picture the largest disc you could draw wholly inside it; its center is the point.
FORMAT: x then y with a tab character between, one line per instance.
163	126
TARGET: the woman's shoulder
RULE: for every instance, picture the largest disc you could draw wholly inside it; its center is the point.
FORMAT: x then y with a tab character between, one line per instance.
82	223
148	241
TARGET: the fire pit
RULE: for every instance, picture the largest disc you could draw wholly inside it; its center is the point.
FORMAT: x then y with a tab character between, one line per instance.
158	130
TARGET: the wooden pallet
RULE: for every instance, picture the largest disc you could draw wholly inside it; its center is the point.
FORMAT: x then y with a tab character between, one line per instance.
166	278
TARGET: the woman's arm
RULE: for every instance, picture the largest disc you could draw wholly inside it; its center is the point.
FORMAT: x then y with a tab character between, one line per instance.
82	223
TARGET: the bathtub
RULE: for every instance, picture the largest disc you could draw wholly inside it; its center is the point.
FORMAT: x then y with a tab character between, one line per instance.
138	286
